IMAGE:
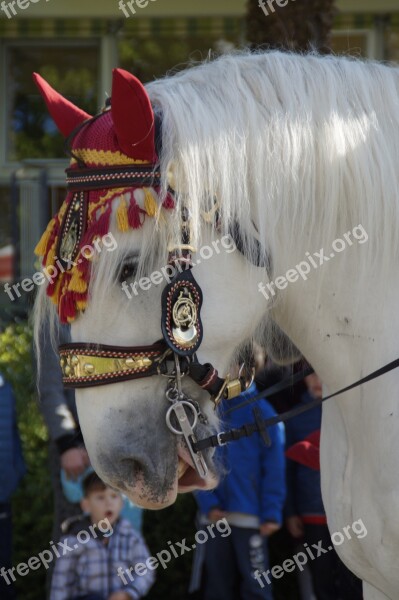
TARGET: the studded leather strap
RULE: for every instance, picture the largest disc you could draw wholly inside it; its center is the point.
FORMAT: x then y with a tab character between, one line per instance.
88	365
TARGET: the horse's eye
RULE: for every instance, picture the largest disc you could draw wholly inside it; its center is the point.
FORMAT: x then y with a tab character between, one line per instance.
128	270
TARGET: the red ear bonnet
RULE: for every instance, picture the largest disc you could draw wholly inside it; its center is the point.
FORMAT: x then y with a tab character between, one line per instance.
133	116
66	115
113	171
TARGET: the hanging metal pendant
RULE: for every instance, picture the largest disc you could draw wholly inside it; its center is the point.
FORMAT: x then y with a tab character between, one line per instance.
72	229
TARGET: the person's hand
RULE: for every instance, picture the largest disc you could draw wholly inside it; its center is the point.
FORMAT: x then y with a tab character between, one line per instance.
74	461
268	529
295	526
216	514
119	596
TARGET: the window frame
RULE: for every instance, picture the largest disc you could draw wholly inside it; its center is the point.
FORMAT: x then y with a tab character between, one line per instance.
368	33
5	45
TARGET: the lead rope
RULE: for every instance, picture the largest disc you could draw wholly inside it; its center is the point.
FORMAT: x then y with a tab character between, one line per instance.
261	425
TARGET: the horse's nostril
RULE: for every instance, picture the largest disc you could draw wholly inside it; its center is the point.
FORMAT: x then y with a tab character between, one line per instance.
134	467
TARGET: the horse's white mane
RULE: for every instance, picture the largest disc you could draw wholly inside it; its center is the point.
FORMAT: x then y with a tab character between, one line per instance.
284	141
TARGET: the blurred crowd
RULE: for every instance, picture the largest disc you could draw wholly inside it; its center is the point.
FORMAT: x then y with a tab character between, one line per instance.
269	496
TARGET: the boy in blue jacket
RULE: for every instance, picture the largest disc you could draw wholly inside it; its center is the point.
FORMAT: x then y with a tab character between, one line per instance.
251	498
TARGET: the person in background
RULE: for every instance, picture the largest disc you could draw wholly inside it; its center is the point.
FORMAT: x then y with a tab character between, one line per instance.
251	497
67	452
57	404
305	516
73	490
100	564
69	461
12	468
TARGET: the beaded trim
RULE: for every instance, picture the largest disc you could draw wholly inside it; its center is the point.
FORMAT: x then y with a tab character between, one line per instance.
89	179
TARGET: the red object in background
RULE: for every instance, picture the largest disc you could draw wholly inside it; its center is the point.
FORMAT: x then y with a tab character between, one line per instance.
7	263
307	452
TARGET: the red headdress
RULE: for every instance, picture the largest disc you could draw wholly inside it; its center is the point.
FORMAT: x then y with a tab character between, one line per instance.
113	154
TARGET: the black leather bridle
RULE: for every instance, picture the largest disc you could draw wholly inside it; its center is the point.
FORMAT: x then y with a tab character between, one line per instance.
89	365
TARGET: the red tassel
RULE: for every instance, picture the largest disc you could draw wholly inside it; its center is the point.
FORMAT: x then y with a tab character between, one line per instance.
67	309
101	227
50	289
169	202
134	215
87	240
52	238
84	268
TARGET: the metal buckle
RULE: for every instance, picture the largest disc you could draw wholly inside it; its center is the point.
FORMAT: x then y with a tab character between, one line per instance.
220	443
219	397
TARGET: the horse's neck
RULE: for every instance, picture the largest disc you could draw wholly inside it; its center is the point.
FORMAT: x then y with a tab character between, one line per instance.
343	331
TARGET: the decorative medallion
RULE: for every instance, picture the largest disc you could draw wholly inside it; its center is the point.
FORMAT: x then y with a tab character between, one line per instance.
181	323
72	230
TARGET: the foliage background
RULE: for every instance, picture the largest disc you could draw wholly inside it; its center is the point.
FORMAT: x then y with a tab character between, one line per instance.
32	503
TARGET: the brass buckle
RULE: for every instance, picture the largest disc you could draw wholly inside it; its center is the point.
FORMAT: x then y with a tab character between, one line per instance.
219	396
232	388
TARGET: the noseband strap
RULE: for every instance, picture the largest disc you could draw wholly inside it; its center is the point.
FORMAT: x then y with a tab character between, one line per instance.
88	365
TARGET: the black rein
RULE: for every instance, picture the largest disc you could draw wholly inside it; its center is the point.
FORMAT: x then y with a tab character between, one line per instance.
261	425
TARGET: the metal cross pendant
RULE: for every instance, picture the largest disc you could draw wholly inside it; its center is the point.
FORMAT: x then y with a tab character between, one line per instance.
187	431
179	403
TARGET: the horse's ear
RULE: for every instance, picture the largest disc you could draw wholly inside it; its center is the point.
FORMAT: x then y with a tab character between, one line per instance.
66	115
133	116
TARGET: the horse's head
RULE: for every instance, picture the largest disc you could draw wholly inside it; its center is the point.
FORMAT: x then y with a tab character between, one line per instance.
118	252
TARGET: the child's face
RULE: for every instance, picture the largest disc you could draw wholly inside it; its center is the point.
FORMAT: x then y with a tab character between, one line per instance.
101	504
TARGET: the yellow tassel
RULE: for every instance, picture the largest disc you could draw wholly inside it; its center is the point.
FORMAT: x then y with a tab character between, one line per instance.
81	304
57	291
41	247
77	284
150	205
51	255
121	215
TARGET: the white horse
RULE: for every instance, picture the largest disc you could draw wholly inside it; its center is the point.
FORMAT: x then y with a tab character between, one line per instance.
302	152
